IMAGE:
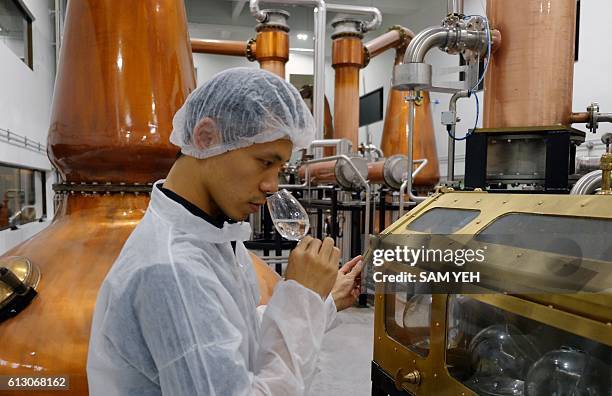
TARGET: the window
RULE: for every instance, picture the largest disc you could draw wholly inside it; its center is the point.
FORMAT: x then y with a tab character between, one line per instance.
580	237
16	29
21	196
443	220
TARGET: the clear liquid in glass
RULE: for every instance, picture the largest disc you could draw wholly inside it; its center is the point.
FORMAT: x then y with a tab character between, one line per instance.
288	215
293	230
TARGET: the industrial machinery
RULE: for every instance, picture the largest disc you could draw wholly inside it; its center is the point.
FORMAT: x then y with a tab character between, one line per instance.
501	344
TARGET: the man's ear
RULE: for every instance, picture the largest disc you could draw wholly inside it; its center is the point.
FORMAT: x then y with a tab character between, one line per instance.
205	134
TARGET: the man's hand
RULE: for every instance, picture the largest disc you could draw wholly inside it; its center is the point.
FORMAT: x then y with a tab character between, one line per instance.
347	288
313	264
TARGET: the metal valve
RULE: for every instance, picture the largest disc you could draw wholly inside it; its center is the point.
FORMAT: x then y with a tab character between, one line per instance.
593	110
411	378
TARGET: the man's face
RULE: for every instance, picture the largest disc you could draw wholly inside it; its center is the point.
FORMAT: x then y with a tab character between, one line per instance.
237	181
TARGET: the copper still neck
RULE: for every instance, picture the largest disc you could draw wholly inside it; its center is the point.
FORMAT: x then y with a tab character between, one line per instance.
114	102
348	58
272	42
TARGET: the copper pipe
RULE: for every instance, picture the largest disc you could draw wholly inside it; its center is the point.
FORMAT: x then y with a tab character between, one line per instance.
376	172
217	47
347	59
396	37
320	172
272	50
529	81
579	118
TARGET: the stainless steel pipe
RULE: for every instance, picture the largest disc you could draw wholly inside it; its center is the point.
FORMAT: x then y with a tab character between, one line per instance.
452	107
588	184
402	191
431	37
373	24
455	7
366	241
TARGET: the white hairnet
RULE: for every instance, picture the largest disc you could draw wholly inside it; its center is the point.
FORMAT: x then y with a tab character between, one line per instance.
247	106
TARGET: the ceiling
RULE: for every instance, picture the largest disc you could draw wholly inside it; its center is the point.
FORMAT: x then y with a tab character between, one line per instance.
232	20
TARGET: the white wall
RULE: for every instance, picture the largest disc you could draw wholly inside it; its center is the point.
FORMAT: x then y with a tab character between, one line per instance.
25	106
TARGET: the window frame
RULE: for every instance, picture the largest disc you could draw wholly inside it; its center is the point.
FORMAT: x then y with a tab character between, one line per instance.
38	200
28	19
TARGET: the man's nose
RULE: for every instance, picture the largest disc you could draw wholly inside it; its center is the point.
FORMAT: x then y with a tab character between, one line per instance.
269	184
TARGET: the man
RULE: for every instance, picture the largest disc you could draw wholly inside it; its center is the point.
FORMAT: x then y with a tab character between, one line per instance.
177	313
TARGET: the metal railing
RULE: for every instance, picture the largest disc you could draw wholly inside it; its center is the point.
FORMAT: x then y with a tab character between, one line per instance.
7	136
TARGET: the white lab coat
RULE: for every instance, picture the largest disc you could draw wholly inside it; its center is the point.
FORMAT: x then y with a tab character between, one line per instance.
176	315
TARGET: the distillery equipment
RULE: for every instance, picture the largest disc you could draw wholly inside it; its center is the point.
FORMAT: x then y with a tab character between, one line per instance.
111	119
503	343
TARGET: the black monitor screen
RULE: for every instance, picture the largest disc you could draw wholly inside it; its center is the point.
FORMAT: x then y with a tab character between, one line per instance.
371	107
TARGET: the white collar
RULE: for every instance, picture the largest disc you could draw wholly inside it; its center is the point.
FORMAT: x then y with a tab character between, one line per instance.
181	219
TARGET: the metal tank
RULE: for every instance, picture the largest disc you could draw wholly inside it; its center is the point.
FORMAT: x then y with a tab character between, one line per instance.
123	72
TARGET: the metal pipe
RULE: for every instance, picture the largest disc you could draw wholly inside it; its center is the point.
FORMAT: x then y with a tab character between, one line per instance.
393	38
372	147
587	184
434	36
445	38
580	118
410	138
455	7
402	191
366	242
320	13
452	107
219	47
337	143
373	24
293	186
58	30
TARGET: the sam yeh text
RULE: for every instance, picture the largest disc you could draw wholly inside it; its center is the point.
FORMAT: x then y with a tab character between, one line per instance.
428	277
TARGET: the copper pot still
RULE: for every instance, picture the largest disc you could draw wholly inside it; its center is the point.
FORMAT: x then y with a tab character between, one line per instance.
111	120
529	81
394	132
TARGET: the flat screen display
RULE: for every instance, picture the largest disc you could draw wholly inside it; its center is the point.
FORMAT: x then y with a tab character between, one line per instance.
371	107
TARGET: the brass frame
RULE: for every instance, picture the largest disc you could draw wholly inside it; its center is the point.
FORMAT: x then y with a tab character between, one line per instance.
586	315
